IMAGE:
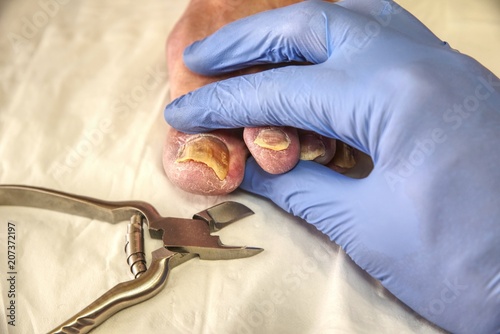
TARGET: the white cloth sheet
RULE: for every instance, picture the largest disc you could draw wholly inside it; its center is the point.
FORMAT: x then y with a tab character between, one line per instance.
83	85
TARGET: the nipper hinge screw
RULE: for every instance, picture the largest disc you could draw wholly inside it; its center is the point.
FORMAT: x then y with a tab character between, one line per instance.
134	247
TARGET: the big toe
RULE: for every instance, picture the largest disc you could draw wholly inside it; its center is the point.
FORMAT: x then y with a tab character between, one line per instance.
207	164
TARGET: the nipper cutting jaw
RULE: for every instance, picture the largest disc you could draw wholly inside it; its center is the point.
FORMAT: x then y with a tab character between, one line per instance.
183	239
194	235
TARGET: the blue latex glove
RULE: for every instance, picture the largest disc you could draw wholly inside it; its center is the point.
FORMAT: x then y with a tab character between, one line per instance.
426	221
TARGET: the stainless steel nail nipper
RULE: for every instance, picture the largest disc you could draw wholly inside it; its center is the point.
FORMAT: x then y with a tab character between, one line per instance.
183	239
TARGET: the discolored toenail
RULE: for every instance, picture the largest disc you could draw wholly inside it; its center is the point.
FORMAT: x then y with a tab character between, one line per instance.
208	150
311	147
273	139
344	156
316	147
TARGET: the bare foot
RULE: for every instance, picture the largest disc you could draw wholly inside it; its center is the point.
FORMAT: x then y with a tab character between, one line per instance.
213	163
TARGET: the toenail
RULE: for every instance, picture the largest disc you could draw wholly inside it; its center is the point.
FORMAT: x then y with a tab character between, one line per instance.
273	139
311	147
208	150
344	156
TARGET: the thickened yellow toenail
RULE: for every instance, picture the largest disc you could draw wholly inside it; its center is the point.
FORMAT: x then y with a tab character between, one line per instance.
311	151
344	156
208	150
273	139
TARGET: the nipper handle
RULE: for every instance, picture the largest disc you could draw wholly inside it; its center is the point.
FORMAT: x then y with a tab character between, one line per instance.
125	294
113	212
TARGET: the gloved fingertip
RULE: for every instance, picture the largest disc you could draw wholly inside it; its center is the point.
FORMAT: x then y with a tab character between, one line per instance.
180	116
201	58
171	110
191	56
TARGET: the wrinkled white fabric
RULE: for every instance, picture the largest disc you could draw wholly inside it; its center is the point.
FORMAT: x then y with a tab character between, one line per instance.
82	91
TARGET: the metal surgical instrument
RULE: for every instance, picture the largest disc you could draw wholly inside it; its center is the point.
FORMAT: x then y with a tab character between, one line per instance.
183	239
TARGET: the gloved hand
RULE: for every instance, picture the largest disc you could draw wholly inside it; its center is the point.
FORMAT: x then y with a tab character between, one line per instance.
426	221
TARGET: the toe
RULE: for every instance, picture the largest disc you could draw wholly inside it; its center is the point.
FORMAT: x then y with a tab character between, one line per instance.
276	149
206	164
